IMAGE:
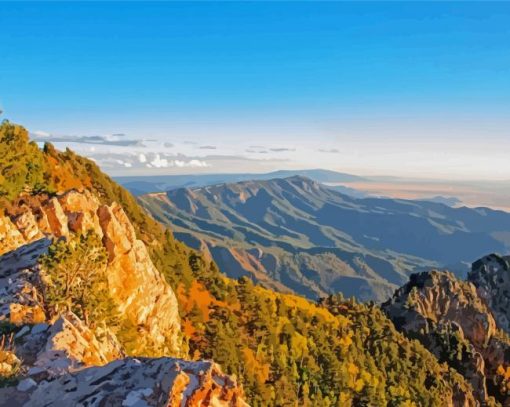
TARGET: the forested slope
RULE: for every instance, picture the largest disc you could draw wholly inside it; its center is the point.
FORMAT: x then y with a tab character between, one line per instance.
284	349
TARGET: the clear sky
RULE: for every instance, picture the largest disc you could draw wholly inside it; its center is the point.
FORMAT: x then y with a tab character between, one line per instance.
417	89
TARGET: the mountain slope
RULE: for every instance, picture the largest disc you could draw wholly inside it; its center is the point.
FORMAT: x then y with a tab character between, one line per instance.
58	345
314	241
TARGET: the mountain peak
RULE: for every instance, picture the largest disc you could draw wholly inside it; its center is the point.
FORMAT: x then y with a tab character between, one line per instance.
301	178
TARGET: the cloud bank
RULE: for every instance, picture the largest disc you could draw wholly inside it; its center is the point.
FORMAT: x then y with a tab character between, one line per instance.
118	154
109	139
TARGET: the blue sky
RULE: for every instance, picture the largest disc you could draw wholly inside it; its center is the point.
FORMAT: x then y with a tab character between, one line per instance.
419	89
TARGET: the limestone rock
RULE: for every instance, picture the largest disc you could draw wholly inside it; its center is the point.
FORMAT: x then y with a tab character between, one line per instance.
20	299
57	219
26	384
65	362
39	328
23	257
137	287
10	237
141	382
72	345
81	209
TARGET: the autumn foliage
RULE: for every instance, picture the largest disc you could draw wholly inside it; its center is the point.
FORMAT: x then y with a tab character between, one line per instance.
284	349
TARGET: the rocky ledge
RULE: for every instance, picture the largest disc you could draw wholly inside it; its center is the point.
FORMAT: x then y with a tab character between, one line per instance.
132	382
451	320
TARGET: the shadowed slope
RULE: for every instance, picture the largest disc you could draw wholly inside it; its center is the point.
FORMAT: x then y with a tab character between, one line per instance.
315	240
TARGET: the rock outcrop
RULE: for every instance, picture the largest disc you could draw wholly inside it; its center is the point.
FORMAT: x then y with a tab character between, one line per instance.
64	362
133	382
433	298
452	321
71	345
491	276
136	286
21	301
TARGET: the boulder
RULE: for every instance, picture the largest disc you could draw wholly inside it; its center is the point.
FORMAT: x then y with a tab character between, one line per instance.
71	345
141	382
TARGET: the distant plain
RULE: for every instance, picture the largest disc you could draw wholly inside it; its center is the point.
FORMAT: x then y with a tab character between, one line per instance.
492	194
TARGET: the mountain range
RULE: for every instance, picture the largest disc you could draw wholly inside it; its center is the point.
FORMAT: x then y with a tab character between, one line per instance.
295	234
102	305
139	185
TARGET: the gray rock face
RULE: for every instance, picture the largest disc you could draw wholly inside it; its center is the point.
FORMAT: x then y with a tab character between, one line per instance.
71	345
134	382
21	301
450	319
23	257
434	298
39	328
491	277
26	384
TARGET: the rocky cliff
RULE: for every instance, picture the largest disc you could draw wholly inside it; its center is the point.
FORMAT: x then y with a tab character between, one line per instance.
452	320
59	359
139	290
491	277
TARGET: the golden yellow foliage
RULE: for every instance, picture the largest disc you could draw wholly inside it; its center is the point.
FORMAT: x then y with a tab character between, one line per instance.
255	367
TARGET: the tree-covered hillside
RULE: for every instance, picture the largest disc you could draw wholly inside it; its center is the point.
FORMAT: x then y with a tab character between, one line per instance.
284	349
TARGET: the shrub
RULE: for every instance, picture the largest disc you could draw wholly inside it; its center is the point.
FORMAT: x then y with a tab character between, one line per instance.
74	273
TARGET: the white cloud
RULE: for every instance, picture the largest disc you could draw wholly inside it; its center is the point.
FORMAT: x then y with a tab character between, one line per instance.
198	163
107	139
159	162
191	163
41	133
330	150
164	161
281	149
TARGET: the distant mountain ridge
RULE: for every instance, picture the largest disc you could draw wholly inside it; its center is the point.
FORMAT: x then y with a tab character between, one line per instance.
139	185
297	234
